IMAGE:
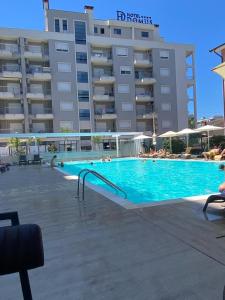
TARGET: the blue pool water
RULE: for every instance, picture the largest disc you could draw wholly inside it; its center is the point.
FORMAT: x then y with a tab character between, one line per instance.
149	181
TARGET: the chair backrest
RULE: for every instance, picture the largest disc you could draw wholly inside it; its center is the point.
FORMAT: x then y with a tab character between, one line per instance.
23	157
21	248
36	157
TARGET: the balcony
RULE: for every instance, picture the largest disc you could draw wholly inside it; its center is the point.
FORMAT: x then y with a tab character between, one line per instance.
146	97
101	58
144	78
35	52
8	92
37	93
106	78
10	71
46	129
145	114
142	61
190	80
42	114
8	50
107	114
39	73
11	113
106	96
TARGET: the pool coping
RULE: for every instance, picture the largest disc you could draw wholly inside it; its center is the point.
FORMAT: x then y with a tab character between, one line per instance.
129	205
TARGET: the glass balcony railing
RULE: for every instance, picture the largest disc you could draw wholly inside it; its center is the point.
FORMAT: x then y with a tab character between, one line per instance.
12	48
38	69
11	110
8	89
9	68
46	110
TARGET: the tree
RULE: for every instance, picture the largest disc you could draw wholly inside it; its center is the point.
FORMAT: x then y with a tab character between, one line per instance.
14	143
97	140
178	146
191	121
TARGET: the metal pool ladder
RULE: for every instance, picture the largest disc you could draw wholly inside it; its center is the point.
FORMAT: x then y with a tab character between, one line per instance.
96	174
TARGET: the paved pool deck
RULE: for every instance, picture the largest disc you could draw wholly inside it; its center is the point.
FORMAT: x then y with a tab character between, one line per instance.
165	252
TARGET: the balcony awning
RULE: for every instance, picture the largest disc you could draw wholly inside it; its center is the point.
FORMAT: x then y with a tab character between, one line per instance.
220	70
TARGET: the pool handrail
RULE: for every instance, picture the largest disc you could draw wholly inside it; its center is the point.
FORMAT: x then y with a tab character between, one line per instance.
98	175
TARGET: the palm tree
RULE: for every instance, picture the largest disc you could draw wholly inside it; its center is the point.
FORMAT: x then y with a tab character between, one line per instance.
97	140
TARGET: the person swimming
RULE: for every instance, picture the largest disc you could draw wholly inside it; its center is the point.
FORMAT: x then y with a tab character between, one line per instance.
222	167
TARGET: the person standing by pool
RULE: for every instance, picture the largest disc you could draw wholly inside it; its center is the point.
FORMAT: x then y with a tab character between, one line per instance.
52	163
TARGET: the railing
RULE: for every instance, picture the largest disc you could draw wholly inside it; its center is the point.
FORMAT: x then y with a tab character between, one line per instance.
13	48
144	94
106	111
141	75
38	90
42	111
99	176
105	74
106	93
10	110
47	129
10	68
8	89
10	130
143	112
36	49
37	69
102	55
142	57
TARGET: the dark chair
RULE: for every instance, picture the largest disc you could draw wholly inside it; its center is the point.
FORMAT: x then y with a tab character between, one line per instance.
218	198
36	159
21	249
23	160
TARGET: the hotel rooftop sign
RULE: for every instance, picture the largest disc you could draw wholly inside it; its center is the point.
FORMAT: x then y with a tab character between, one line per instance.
131	17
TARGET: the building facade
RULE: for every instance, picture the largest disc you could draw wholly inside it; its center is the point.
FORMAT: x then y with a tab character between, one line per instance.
87	75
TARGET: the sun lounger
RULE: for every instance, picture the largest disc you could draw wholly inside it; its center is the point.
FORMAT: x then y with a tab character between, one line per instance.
218	198
36	159
23	160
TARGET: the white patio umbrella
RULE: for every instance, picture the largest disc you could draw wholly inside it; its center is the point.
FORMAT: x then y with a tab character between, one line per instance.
138	139
169	134
208	128
186	132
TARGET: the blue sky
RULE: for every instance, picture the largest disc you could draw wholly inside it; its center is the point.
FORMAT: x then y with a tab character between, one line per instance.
195	21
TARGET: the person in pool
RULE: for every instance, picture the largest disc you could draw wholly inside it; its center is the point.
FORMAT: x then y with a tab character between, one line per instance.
53	163
222	167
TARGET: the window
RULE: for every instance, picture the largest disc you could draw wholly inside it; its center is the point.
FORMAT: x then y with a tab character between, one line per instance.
125	70
66	105
164	72
102	30
84	114
123	88
145	34
64	86
61	47
165	89
95	29
64	67
82	77
61	25
117	31
85	148
66	125
166	107
121	51
166	124
125	124
127	107
83	96
57	25
64	25
81	57
80	32
164	54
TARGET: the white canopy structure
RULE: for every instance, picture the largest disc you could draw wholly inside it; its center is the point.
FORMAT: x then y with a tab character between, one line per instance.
138	140
208	128
186	132
169	134
142	137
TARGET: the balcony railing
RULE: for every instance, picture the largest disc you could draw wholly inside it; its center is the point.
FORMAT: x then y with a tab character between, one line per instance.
10	130
106	93
15	91
10	110
38	69
46	110
36	50
9	68
105	111
46	129
38	90
12	48
142	75
100	55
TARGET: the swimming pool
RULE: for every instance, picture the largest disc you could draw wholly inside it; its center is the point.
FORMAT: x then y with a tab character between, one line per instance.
151	181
